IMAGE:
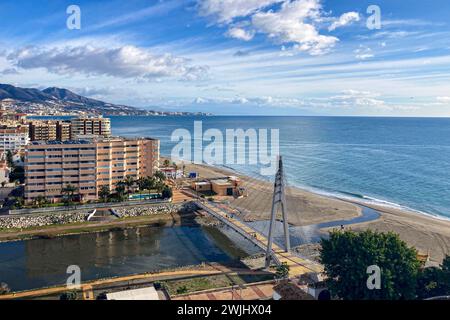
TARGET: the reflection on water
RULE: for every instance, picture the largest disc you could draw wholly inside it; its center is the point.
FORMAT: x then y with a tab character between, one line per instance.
43	262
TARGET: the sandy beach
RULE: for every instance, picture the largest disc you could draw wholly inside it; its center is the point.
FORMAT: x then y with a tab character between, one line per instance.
427	234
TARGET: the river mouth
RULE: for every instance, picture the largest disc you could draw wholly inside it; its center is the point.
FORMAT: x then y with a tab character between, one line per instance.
37	263
300	235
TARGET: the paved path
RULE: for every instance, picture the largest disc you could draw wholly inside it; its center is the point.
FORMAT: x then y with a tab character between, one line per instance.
248	292
88	287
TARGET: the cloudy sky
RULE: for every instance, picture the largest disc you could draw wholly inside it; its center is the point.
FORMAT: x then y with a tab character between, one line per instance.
262	57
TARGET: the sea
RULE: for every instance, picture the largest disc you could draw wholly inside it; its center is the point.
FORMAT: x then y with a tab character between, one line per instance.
397	162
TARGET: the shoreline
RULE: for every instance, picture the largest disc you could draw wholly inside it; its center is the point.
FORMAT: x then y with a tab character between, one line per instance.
362	200
427	233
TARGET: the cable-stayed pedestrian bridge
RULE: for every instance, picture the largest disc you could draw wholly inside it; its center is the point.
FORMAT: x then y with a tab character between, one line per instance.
297	265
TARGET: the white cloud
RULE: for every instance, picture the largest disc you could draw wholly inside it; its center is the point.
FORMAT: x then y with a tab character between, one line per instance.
289	25
356	98
345	19
240	33
363	53
225	11
121	62
346	99
254	101
443	100
295	23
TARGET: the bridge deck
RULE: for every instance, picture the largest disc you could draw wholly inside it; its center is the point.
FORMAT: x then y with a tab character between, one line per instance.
297	265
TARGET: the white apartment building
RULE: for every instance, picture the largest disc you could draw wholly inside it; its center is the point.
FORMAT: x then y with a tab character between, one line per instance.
13	138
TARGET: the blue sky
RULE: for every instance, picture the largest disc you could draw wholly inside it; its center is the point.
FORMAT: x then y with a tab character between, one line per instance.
277	57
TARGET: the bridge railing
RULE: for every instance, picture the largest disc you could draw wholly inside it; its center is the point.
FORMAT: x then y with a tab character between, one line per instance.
260	244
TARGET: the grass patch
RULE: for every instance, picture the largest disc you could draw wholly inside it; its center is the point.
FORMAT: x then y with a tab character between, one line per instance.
176	287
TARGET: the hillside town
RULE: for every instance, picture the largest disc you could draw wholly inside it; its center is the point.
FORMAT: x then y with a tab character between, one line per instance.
40	158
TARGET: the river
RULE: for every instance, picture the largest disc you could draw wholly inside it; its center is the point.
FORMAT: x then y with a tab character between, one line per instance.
40	263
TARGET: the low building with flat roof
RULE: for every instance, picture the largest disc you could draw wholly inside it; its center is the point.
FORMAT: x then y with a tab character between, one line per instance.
227	186
143	294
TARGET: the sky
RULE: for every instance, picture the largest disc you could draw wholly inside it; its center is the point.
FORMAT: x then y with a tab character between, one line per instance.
249	57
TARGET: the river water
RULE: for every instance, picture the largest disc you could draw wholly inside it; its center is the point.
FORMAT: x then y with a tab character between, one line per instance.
39	263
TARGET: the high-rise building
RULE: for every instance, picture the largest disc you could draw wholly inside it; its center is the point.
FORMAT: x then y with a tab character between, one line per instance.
42	130
87	165
13	138
63	130
50	130
84	126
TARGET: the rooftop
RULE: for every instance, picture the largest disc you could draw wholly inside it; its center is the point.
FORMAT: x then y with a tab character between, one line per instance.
56	142
137	294
222	182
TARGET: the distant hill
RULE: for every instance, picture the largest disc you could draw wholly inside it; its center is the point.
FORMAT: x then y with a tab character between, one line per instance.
69	96
63	101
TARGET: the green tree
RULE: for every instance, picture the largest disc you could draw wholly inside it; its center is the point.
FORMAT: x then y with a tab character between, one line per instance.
129	183
159	186
17	174
346	255
120	190
149	183
68	193
104	193
9	159
40	200
434	281
70	295
160	176
18	203
141	183
282	271
166	163
167	192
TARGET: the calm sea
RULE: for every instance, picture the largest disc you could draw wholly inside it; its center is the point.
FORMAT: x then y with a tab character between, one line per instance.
401	162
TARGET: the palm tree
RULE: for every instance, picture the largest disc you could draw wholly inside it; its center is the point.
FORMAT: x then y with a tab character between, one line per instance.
149	183
68	192
104	193
129	182
166	192
159	186
160	176
166	163
120	189
141	183
40	200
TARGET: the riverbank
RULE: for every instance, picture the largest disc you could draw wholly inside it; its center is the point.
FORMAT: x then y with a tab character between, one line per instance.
193	277
426	233
132	217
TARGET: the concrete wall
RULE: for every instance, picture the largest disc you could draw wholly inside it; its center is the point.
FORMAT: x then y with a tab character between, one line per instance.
86	206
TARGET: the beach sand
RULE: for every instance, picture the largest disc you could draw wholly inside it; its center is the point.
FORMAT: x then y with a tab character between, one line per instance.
427	234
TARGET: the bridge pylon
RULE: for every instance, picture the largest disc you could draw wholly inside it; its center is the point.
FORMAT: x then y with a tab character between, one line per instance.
278	201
